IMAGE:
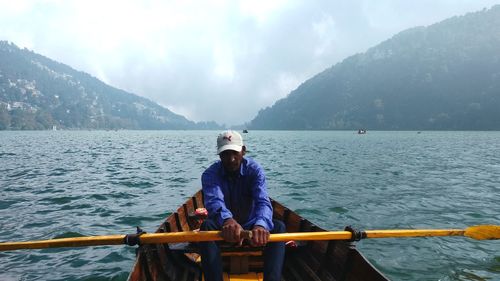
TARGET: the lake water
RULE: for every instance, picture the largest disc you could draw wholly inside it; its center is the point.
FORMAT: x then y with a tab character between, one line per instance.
61	183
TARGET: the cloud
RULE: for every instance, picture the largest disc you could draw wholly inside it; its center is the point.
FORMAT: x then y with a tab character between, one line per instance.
212	60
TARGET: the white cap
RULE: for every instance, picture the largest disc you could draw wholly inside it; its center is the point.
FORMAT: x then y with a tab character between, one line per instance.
229	140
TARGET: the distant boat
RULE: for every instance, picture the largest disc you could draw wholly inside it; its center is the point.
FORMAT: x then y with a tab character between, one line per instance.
362	131
245	131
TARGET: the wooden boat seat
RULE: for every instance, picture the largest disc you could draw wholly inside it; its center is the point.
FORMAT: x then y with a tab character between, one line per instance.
238	260
241	259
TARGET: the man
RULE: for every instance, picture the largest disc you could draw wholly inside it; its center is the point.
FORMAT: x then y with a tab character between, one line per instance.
235	195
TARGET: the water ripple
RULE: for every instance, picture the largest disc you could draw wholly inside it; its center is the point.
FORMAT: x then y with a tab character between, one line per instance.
72	183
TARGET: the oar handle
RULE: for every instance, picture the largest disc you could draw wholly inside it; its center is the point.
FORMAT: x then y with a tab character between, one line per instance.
310	236
191	236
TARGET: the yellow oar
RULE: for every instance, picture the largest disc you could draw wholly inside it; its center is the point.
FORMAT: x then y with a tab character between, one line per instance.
479	232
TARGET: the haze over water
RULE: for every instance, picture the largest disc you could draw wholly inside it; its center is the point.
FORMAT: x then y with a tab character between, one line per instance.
62	183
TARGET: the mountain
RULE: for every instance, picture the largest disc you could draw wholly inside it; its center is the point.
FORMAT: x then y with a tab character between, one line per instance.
39	93
442	77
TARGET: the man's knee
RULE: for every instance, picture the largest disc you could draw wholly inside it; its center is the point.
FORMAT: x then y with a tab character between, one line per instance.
209	224
279	227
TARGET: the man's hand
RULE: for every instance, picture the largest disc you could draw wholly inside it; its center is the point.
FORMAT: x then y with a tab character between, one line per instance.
260	236
231	231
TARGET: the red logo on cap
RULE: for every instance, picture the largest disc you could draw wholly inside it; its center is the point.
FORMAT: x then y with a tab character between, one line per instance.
227	138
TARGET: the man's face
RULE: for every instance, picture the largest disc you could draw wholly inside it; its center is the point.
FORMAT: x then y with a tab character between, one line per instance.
231	160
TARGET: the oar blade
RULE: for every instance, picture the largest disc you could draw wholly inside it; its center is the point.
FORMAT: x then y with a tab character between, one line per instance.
483	232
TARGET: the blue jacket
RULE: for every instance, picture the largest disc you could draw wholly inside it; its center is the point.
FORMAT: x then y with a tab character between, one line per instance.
242	197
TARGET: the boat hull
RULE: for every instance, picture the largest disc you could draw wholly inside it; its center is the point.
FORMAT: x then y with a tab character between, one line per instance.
310	260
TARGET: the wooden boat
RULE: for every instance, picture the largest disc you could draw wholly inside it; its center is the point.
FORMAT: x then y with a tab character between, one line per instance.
334	260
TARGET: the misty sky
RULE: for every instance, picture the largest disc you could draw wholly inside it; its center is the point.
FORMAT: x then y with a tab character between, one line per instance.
213	60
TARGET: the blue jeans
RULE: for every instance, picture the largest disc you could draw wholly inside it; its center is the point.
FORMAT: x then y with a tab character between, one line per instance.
211	261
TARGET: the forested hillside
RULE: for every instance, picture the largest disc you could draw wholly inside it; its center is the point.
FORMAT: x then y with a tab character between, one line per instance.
39	93
442	77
